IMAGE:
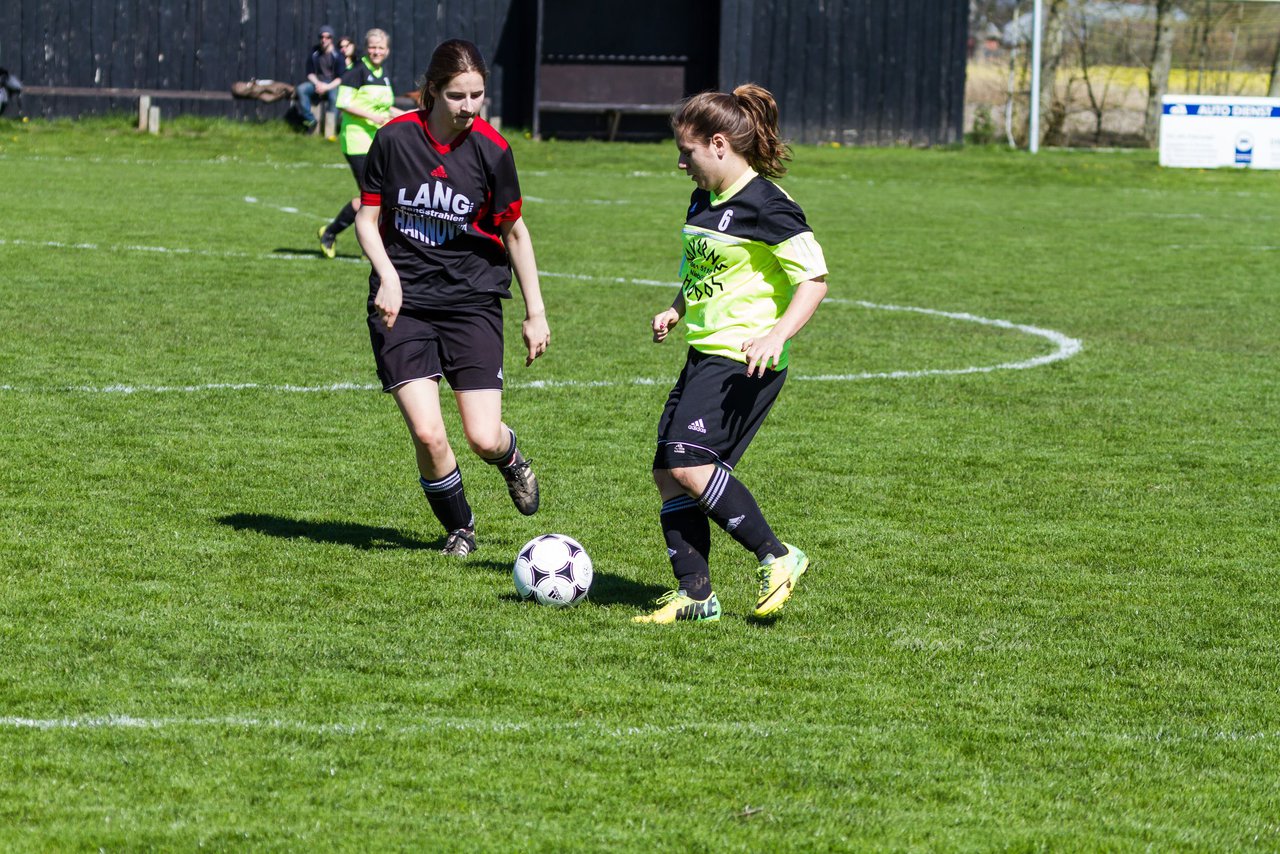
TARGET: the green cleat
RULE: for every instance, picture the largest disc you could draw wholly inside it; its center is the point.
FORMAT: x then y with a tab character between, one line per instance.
676	605
778	577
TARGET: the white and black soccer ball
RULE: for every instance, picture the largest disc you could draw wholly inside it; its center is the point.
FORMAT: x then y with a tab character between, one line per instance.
553	570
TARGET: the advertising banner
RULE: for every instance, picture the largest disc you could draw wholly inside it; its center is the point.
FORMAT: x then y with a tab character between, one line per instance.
1209	131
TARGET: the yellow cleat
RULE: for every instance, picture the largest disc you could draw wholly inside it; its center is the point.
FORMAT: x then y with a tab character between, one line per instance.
676	605
778	577
328	243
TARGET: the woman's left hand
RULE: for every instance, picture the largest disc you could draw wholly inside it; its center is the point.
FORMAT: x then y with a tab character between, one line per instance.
537	336
762	351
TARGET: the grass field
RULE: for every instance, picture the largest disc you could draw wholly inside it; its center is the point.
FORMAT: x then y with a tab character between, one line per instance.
1043	613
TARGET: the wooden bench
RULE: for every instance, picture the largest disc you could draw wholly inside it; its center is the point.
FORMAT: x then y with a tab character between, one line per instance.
148	114
609	86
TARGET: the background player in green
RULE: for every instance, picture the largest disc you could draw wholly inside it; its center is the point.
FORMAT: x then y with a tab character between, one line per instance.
752	276
366	100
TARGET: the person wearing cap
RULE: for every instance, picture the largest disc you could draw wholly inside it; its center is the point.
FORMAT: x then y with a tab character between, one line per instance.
324	72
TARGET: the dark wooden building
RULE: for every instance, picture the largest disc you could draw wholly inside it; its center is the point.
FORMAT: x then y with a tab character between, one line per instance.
864	72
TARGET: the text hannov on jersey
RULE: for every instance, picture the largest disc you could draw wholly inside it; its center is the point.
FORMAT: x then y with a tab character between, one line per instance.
435	215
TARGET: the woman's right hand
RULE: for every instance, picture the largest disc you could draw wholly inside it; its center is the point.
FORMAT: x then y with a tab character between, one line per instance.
388	299
662	324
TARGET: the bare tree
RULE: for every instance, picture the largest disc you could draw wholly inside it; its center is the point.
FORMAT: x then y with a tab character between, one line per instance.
1053	110
1273	91
1081	33
1161	62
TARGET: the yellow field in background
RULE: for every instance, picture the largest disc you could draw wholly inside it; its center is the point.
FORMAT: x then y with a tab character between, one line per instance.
1182	81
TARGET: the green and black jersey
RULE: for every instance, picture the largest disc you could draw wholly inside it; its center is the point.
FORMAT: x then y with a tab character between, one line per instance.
367	87
745	251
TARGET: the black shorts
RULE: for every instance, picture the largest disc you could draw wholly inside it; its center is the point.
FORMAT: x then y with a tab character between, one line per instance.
713	412
356	162
462	343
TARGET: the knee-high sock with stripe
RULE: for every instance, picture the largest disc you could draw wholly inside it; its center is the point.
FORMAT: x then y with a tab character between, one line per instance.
732	506
448	501
507	457
688	536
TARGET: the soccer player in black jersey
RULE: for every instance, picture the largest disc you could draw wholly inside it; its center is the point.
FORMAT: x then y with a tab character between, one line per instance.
752	276
441	225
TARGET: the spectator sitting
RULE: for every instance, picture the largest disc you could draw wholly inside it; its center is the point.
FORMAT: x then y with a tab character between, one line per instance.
324	72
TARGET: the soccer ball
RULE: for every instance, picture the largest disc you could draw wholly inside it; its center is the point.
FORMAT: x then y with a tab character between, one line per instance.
553	570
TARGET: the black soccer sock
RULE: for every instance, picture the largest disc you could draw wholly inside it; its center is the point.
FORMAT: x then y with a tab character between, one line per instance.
688	539
448	501
734	508
346	217
508	456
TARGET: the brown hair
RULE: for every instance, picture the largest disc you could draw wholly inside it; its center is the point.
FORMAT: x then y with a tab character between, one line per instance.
748	118
448	60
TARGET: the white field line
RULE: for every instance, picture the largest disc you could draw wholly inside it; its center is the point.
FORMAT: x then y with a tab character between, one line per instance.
163	389
540	200
621	280
166	250
286	209
208	161
428	725
303	164
499	727
1219	248
1065	346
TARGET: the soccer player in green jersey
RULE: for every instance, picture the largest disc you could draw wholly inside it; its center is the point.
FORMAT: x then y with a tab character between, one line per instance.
752	276
367	102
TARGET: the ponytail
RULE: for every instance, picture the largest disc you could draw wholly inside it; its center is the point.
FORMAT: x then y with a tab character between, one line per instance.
748	118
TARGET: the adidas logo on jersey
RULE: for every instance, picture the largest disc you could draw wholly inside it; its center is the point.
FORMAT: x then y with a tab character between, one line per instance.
439	172
698	427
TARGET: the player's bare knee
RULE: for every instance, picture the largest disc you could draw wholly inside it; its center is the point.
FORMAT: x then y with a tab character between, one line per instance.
668	486
488	444
432	438
689	479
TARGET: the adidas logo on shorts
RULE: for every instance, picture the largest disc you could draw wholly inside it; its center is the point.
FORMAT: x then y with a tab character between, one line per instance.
698	426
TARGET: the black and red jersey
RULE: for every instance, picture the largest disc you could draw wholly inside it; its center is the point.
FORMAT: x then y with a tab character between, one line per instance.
442	207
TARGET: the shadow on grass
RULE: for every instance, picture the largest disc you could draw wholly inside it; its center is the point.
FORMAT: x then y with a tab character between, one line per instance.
365	537
615	590
609	589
